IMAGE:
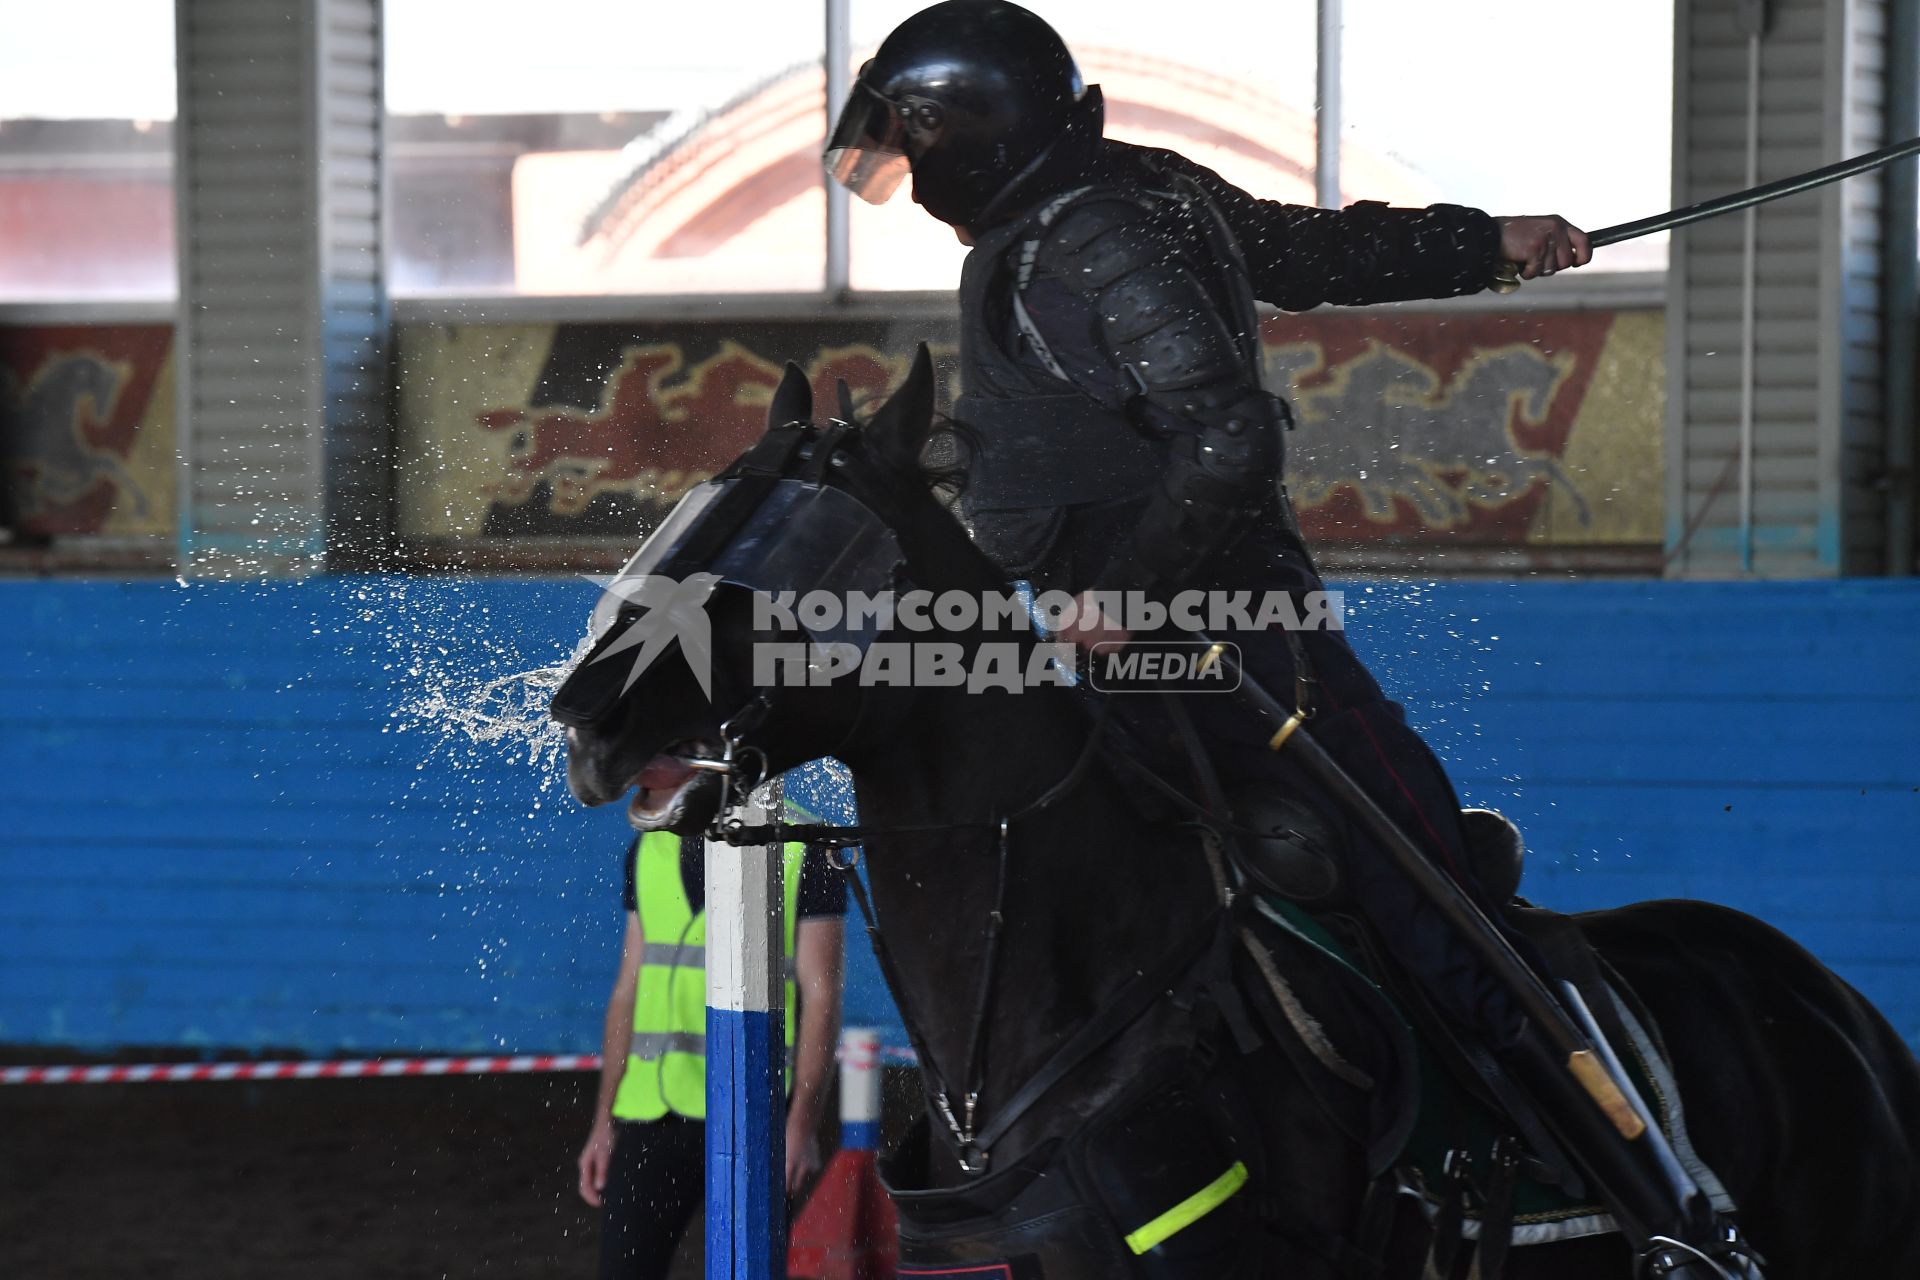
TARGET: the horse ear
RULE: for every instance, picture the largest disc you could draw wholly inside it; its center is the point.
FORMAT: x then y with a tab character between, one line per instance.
901	427
792	399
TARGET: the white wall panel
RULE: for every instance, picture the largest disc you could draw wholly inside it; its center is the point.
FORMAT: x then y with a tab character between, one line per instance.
1815	428
282	344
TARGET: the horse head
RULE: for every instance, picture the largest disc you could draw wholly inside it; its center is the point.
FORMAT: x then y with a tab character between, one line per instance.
686	636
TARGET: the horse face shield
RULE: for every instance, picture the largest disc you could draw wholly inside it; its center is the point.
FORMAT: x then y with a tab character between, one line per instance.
775	539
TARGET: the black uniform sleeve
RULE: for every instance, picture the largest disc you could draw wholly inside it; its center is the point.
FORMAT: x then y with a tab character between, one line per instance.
1300	257
1150	294
823	891
630	894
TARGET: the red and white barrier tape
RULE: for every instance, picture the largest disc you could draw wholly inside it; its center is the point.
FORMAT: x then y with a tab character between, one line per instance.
333	1069
336	1069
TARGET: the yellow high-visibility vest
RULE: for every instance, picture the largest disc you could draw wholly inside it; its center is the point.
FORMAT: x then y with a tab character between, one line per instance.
667	1060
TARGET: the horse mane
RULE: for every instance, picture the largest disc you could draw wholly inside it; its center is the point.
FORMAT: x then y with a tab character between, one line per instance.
933	529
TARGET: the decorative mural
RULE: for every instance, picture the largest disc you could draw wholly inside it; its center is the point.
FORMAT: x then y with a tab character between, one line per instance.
1462	427
86	430
1476	428
596	430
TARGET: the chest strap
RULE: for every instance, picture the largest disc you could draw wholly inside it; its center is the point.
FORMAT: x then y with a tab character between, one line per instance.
1126	1007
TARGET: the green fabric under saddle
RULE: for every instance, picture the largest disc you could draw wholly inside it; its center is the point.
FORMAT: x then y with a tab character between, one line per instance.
1451	1117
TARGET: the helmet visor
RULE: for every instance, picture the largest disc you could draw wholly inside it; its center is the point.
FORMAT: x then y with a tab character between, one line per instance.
868	153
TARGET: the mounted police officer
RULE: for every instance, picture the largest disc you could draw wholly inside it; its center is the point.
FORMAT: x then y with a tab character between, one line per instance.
1122	442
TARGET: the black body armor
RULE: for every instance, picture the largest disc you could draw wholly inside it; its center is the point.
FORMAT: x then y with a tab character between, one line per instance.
1159	407
1110	347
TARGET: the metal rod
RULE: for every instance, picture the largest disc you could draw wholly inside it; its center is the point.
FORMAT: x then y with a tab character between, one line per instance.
1507	275
1575	1065
1326	107
839	59
1462	914
1757	195
1749	279
1900	340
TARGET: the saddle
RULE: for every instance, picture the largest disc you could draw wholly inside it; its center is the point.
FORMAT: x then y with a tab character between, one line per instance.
1445	1128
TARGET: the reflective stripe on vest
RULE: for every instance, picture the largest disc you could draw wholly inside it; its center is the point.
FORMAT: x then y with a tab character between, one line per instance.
652	1044
667	1057
669	953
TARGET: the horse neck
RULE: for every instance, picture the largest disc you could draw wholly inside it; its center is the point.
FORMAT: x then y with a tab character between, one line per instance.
1092	895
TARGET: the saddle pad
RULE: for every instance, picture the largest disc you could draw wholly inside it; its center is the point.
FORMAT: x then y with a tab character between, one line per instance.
1450	1117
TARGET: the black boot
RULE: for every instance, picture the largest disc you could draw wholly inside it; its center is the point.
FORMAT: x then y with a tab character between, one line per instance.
1673	1228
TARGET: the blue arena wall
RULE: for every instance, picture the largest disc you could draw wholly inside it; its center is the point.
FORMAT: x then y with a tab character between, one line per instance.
221	825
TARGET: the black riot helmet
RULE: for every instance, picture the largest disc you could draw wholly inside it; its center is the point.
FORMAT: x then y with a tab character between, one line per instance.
968	94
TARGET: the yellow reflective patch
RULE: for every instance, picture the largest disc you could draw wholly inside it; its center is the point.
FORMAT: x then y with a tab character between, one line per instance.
1188	1211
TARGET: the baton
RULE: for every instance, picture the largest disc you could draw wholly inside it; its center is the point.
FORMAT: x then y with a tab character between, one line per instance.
1288	726
1507	279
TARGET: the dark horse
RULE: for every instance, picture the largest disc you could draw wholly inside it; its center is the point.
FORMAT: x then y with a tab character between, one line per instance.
986	813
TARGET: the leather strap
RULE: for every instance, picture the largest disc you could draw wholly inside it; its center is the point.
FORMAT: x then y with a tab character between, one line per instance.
1496	1219
1126	1007
1449	1218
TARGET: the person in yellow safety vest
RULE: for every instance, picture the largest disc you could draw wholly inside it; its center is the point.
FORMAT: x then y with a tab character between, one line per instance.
643	1162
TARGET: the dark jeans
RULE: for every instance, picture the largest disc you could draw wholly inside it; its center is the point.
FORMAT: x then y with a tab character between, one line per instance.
655	1181
1368	735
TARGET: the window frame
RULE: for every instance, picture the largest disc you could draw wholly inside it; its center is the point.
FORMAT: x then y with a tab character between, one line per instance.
836	296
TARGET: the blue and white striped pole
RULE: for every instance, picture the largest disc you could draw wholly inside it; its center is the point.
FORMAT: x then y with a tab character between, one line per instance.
746	1054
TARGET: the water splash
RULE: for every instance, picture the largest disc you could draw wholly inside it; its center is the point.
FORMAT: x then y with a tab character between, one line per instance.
503	713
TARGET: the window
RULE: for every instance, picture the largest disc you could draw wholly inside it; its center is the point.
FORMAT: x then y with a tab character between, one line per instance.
604	146
1501	108
86	151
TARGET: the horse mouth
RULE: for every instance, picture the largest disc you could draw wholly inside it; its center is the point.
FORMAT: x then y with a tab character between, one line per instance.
667	788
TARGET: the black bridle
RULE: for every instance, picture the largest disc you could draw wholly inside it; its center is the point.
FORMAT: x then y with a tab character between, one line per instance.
959	1110
742	766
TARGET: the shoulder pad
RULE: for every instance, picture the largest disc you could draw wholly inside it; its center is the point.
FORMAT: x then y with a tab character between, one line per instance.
1092	214
1106	236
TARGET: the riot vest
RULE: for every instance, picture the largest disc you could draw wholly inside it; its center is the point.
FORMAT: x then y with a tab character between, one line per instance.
667	1060
1039	442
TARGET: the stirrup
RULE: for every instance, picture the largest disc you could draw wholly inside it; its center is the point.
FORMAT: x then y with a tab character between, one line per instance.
1731	1259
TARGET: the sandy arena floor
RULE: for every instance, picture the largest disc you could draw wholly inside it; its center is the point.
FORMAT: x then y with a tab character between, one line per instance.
351	1178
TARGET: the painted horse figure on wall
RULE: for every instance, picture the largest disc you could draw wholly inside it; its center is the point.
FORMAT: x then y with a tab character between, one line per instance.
1134	1064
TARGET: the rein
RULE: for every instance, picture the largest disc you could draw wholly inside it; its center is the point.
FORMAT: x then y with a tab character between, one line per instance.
974	1143
1135	997
1120	1012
